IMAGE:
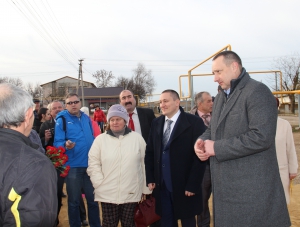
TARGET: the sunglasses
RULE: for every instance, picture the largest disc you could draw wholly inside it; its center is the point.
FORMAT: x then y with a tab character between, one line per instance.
75	102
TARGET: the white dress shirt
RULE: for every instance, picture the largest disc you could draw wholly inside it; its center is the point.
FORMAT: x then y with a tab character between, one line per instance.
174	119
136	122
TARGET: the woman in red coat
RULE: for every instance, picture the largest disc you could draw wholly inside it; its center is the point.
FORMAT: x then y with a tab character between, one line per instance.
99	117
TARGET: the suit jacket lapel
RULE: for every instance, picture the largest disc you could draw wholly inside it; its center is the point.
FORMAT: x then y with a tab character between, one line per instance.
231	100
159	131
180	126
228	105
141	119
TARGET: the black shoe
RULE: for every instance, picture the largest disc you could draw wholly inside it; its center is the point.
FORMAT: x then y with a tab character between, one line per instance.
84	223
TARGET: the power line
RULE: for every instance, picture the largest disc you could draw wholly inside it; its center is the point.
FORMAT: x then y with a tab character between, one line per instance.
61	30
37	22
42	30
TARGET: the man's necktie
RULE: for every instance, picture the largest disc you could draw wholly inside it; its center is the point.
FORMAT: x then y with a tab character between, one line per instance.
131	124
205	118
166	134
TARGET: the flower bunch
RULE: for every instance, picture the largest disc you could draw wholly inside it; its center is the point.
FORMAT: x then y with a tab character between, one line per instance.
59	159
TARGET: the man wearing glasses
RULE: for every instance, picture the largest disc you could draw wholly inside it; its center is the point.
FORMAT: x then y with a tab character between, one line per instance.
73	130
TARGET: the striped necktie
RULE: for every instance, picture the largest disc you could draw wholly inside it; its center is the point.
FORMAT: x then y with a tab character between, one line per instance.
166	134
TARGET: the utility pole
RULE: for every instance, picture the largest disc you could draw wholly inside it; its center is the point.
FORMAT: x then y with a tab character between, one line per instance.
80	79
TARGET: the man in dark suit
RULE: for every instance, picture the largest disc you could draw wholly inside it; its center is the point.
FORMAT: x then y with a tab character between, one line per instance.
172	169
140	119
240	145
203	110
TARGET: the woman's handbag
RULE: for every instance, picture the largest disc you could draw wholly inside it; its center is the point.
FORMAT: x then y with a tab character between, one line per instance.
144	213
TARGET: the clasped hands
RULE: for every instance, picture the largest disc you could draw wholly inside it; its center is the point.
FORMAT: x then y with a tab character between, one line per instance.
204	149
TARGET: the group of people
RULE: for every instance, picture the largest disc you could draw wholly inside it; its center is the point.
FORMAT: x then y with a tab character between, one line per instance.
225	147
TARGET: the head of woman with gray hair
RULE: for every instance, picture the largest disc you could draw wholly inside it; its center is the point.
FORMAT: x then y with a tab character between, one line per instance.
117	117
16	108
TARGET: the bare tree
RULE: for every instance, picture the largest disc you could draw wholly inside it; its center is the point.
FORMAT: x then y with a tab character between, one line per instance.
34	89
103	78
290	68
143	80
15	81
123	82
141	83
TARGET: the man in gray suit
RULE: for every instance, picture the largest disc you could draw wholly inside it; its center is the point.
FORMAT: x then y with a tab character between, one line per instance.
240	144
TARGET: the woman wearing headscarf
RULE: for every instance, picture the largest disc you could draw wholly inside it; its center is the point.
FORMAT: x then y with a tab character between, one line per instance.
116	168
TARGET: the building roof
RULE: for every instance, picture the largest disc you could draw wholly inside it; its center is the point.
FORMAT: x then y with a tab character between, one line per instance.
68	77
101	92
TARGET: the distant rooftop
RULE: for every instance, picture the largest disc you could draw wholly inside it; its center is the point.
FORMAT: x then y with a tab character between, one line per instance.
67	77
101	92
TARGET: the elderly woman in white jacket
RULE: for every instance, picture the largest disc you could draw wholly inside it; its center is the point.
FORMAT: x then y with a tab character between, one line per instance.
116	169
286	154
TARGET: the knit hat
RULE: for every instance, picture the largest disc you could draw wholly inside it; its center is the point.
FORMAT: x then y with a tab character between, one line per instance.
117	110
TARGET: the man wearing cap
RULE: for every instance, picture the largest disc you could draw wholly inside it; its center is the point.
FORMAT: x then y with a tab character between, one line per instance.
73	130
28	178
140	119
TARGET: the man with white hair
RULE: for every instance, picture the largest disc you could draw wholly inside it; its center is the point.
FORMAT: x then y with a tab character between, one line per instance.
28	178
47	128
47	137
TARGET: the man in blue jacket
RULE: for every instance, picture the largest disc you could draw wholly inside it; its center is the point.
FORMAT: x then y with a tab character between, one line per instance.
73	130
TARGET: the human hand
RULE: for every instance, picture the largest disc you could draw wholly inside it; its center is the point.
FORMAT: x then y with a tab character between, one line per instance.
143	197
48	135
151	186
292	175
200	150
70	144
209	147
187	193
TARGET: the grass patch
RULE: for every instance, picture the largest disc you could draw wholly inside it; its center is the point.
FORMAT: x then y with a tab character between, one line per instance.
294	129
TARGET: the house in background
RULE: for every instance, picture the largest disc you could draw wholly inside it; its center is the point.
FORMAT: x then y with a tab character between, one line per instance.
104	97
57	89
285	106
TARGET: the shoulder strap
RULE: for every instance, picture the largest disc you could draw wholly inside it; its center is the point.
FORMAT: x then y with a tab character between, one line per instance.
64	122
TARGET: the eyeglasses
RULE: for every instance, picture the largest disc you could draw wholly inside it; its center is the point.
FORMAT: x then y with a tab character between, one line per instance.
75	102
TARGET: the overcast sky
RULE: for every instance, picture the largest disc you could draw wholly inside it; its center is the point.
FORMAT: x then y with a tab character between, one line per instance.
168	37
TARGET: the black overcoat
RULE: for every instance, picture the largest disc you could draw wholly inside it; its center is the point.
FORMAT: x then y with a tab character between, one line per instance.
186	168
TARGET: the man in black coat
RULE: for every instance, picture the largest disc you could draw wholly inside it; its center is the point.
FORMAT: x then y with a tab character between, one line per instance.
47	128
172	169
47	138
28	178
141	117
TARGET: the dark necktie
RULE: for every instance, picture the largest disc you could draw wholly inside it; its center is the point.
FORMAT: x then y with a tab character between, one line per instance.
205	118
166	134
131	124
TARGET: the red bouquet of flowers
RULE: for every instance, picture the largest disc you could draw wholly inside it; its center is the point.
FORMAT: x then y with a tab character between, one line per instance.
59	159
